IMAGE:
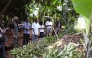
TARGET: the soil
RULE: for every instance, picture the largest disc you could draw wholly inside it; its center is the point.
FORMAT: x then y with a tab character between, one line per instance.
9	44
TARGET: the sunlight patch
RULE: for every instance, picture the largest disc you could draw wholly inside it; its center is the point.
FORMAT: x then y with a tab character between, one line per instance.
80	23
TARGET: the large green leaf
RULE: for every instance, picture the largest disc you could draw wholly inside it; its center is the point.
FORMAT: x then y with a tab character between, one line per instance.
84	7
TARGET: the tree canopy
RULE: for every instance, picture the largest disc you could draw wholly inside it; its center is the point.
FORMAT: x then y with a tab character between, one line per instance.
16	7
21	8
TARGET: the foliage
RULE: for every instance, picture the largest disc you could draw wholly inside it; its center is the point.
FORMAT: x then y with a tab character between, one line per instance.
69	29
86	44
42	49
50	39
29	51
22	8
81	7
19	7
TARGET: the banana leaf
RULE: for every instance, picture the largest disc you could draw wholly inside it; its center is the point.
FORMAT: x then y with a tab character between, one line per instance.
84	7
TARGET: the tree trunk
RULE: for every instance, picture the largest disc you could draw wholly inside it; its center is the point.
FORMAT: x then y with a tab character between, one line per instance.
3	11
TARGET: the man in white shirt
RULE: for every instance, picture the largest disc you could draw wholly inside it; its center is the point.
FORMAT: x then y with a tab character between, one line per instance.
49	25
26	31
35	30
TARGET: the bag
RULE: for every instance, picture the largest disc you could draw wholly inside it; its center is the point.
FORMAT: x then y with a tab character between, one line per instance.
3	38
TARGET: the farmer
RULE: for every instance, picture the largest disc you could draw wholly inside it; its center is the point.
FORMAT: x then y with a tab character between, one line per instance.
26	31
14	28
35	30
49	25
41	29
58	26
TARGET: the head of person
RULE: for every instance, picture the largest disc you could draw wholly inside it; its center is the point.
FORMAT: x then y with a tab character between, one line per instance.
41	23
15	18
49	19
27	19
35	20
58	20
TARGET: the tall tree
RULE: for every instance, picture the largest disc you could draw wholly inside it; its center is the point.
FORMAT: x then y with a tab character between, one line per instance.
2	10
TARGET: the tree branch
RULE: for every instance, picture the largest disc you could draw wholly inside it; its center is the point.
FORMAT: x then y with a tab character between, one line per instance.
6	6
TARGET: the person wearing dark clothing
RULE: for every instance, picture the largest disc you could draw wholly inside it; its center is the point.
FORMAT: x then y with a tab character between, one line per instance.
15	31
58	26
26	31
2	49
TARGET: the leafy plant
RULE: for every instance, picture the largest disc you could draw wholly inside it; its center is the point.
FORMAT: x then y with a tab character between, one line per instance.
82	8
86	45
50	39
68	52
42	50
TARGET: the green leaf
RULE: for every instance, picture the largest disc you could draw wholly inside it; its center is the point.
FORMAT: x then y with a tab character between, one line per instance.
84	7
54	1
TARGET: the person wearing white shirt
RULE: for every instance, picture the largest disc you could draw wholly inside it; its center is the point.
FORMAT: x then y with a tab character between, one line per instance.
35	30
26	31
41	29
49	25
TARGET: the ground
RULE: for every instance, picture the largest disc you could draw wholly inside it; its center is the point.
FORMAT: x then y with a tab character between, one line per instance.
9	43
66	39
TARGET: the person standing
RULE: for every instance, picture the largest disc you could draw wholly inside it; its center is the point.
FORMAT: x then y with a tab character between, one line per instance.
58	26
2	49
49	25
14	28
41	29
35	30
26	31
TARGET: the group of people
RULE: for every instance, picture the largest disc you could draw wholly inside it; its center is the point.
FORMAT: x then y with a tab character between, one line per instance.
38	29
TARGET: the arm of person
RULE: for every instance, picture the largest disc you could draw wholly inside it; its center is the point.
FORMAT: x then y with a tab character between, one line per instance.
20	24
12	27
13	32
1	30
33	29
30	27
